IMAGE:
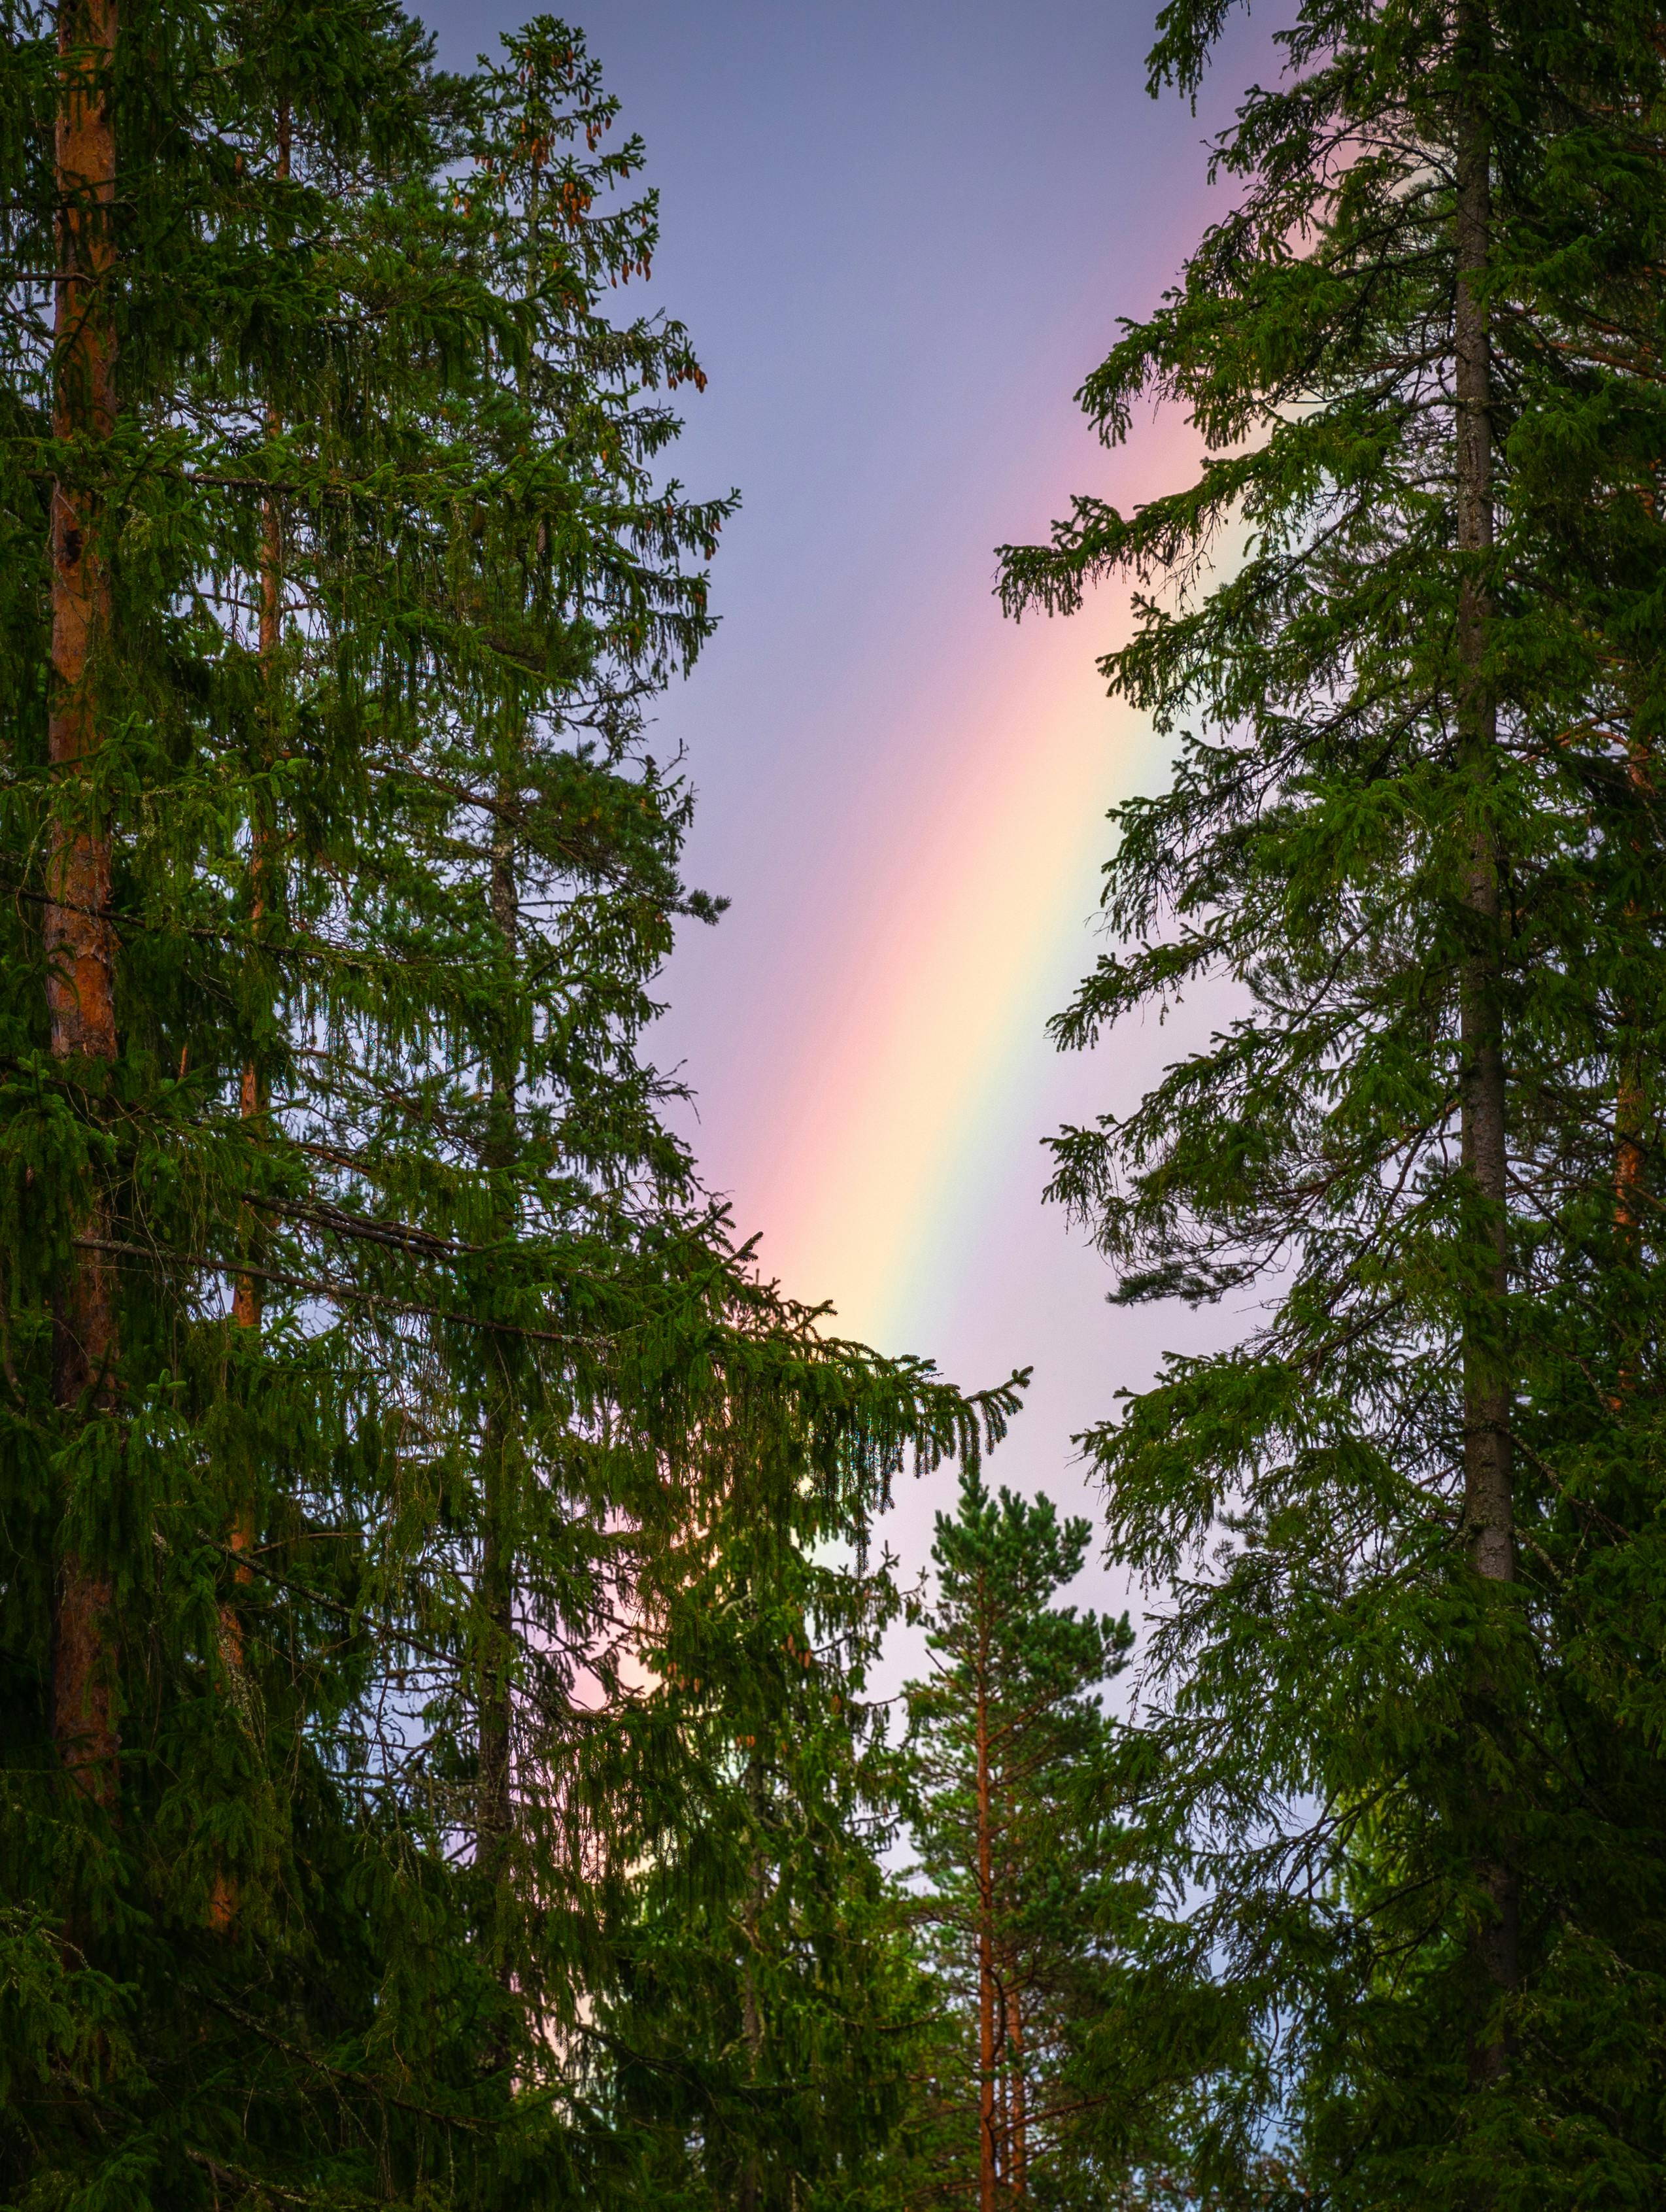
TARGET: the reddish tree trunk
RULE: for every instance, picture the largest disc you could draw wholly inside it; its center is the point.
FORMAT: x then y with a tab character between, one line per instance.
494	1803
986	1959
79	984
1018	2150
1486	1424
1631	1095
1487	1474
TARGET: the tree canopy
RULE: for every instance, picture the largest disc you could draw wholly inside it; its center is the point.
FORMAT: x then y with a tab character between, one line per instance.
383	1394
1403	1533
444	1607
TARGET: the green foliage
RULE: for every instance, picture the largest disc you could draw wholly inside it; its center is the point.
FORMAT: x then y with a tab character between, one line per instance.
758	2037
1050	1953
440	1396
1361	1740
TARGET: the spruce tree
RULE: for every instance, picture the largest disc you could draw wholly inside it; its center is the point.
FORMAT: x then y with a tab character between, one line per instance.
372	1353
759	2031
1405	1530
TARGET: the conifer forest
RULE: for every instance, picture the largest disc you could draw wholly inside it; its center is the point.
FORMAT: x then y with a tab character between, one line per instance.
445	1585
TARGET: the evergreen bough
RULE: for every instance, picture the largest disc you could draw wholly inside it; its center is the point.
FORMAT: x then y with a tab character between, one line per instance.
1407	1656
381	1393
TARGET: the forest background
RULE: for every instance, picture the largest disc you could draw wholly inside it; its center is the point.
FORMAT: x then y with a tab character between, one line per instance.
458	1753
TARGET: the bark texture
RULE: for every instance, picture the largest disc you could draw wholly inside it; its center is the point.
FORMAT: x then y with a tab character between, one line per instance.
1017	2145
1630	1102
987	2166
78	939
495	1778
1488	1501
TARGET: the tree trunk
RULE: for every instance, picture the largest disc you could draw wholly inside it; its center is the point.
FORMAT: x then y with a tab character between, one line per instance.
80	984
1018	2154
494	1806
752	2012
1629	1107
251	1099
1487	1439
1631	1091
986	1949
246	1304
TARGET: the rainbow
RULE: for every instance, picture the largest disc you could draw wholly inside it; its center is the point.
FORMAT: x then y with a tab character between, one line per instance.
977	909
967	919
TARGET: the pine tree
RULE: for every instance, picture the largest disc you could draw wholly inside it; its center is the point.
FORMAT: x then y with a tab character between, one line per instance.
1018	1788
1406	1527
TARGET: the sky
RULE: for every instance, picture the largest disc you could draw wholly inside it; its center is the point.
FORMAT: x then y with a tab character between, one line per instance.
901	233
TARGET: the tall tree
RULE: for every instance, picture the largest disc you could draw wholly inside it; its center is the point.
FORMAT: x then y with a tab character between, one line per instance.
1407	1526
1017	1790
757	2033
303	1895
76	932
